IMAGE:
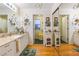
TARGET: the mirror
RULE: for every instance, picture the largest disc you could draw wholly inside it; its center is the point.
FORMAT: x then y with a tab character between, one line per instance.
3	23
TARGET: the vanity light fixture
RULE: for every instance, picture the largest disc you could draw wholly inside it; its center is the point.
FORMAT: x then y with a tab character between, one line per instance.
39	5
11	6
76	6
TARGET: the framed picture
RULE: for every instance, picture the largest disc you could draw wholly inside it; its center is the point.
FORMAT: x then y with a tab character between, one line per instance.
47	23
56	21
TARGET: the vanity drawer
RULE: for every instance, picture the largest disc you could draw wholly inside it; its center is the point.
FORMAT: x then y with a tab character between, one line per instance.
1	51
7	53
8	49
6	46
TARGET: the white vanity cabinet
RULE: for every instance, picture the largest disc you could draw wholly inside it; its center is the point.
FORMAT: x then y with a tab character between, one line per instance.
13	46
23	42
8	49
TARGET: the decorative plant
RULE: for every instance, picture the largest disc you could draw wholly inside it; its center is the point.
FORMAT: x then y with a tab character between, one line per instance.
11	22
20	30
26	21
12	19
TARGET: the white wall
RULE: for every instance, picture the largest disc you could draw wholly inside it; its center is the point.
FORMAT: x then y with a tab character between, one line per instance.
28	13
67	9
6	11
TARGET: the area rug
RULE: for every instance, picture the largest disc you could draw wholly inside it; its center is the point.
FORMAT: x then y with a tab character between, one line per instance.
28	52
76	49
38	41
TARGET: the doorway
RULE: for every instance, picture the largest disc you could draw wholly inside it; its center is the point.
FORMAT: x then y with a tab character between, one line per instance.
64	28
38	29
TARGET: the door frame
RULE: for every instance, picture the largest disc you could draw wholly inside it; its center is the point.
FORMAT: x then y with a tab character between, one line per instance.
34	27
67	26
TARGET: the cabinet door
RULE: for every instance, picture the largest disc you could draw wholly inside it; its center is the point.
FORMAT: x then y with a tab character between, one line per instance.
12	48
9	52
24	42
2	51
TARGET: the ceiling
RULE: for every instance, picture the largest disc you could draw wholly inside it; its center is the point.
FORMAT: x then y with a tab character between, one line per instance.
2	7
34	5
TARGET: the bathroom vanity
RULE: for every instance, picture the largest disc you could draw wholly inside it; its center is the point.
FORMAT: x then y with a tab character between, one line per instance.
13	45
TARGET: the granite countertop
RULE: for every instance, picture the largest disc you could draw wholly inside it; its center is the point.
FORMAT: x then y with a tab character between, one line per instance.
7	39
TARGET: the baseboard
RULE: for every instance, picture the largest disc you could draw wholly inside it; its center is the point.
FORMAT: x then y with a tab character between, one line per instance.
75	45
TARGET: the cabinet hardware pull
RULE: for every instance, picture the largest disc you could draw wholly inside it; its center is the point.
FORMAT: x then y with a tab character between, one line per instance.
7	45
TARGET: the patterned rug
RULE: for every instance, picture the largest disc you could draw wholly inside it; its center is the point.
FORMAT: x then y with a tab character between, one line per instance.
28	52
38	41
76	49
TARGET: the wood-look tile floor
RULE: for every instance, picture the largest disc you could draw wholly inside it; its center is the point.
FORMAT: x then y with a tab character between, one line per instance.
63	50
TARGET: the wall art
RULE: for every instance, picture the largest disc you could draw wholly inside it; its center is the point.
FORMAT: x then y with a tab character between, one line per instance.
47	23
